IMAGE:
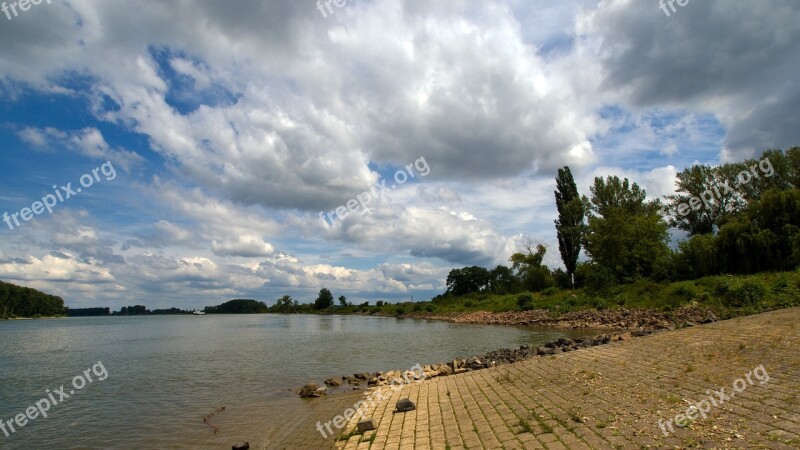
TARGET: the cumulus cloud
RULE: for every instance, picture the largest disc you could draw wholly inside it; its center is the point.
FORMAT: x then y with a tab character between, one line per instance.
246	246
735	60
237	125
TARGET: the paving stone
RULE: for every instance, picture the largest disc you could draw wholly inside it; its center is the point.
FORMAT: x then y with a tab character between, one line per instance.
600	397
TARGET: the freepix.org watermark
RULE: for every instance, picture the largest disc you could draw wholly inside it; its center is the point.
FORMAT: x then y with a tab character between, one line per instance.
361	201
671	3
44	404
59	195
323	5
708	197
374	398
716	399
24	5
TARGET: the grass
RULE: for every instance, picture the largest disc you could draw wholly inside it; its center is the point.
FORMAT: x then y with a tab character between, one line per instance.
526	427
728	296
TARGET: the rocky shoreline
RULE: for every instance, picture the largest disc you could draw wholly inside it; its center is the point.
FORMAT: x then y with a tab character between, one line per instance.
625	324
617	319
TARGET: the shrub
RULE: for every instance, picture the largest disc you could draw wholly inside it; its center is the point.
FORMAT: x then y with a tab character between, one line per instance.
686	291
429	308
468	304
400	311
525	302
599	303
379	303
781	284
749	293
417	307
599	278
550	291
722	287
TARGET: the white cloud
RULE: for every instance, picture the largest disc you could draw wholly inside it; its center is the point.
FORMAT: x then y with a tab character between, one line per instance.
245	246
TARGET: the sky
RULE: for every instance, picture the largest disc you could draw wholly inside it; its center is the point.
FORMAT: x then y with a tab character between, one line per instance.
184	153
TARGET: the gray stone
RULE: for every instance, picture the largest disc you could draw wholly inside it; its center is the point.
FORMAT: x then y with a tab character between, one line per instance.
366	425
404	405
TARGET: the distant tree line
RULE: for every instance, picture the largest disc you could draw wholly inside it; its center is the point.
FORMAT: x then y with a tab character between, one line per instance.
141	310
19	301
88	312
740	218
238	306
323	303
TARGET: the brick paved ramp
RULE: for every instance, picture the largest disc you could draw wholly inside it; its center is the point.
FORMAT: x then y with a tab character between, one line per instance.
610	396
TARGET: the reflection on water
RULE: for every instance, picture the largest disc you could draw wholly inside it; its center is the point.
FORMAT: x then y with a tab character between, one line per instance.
166	373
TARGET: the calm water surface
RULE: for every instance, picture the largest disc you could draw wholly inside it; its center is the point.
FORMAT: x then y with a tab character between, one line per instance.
166	373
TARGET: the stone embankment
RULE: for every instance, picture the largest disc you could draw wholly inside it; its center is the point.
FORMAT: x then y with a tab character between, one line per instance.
610	319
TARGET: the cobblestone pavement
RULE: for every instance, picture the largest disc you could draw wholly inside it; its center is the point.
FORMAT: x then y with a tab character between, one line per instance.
610	396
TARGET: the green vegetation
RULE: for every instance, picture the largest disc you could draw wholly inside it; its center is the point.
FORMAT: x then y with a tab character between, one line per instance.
238	306
87	312
18	301
570	225
141	310
741	255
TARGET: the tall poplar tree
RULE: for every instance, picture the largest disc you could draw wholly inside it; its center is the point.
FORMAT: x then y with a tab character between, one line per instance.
570	224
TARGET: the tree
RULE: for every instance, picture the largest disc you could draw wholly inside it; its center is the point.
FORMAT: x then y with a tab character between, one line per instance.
342	300
503	281
570	224
324	299
528	266
706	198
284	304
467	280
626	234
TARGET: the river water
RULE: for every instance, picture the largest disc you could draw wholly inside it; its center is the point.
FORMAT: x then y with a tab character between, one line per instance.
152	379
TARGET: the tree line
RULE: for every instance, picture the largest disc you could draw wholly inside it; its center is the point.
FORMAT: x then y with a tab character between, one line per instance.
739	218
19	301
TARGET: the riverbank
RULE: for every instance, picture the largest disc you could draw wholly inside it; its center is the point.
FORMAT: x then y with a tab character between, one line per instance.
622	323
599	397
619	319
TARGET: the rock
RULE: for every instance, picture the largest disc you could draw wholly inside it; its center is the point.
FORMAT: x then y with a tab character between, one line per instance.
405	405
333	382
243	446
474	363
710	317
563	342
308	390
602	339
373	382
366	425
364	376
623	337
